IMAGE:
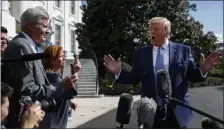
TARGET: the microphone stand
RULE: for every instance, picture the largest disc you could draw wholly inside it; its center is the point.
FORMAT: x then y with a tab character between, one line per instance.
167	101
175	101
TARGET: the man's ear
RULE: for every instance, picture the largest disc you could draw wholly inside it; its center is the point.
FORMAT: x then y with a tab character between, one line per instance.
30	26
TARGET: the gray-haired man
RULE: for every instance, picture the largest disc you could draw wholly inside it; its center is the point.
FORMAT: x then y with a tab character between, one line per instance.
29	78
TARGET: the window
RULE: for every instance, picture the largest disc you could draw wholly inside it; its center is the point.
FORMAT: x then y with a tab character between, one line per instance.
72	41
72	7
57	34
58	3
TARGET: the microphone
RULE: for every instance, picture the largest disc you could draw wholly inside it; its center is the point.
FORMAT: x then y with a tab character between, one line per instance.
207	123
27	57
164	89
124	109
146	113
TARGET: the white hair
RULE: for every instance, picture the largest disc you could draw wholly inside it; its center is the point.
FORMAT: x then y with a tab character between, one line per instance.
34	15
166	24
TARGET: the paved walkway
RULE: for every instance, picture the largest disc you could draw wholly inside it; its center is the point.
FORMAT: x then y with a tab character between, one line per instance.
90	108
207	99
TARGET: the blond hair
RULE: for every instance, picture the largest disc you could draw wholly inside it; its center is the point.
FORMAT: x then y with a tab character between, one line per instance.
166	24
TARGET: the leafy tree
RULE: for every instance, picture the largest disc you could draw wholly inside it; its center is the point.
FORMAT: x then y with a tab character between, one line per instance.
121	27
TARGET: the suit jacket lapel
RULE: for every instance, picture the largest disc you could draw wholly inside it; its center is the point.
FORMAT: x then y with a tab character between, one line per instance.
172	58
37	61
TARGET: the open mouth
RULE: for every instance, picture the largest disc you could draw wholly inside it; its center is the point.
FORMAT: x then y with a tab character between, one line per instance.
153	38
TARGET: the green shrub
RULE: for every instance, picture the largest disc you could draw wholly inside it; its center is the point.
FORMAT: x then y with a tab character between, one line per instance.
215	72
210	81
109	86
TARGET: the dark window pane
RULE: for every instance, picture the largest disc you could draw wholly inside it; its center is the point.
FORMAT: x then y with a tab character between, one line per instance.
57	3
57	34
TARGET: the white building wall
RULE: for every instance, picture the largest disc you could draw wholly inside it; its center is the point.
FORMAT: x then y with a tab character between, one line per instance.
7	21
60	16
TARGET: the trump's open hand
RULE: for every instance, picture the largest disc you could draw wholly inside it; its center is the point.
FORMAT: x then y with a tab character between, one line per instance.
112	65
208	63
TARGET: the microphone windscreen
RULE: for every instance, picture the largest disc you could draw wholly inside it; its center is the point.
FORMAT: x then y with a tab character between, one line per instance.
36	56
163	83
207	123
146	112
124	108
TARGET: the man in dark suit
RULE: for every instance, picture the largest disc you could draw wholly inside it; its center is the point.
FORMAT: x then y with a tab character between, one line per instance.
29	78
173	57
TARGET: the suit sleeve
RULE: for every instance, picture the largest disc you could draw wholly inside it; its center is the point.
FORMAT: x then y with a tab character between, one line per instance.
21	74
193	72
56	81
70	94
127	77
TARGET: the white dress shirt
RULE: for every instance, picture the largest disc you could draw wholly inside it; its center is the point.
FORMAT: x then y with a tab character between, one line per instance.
165	56
165	53
154	53
30	42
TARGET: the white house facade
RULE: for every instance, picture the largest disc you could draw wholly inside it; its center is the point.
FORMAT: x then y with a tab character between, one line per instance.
64	15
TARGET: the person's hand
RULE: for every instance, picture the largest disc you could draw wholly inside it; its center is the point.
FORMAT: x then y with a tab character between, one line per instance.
69	82
76	65
208	63
32	117
73	105
112	65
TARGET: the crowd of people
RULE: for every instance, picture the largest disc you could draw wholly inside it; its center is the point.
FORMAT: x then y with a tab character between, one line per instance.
42	79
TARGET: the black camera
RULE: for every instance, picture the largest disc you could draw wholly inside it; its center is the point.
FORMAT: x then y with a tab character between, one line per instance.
48	105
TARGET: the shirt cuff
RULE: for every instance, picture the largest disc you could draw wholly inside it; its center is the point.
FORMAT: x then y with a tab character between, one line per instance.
204	75
117	76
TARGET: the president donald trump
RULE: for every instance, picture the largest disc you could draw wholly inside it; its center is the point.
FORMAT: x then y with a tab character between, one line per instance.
176	58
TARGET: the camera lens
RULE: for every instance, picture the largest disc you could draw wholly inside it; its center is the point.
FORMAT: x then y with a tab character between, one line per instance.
48	105
44	105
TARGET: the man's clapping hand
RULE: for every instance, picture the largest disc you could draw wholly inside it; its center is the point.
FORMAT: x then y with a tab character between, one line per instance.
32	117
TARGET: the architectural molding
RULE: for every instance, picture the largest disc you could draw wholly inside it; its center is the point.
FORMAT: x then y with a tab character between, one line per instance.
60	16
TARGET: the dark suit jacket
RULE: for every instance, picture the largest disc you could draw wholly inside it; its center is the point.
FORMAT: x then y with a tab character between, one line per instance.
27	78
181	69
59	118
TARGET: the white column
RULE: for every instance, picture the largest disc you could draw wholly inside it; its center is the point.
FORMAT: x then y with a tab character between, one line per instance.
18	7
79	20
7	20
5	6
67	33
